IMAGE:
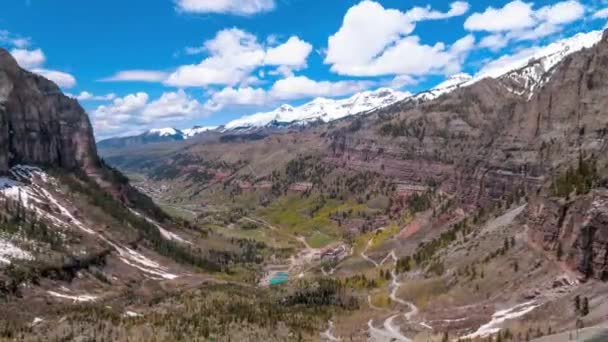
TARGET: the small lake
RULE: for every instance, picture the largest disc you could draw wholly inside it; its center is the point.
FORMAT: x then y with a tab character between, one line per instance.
279	278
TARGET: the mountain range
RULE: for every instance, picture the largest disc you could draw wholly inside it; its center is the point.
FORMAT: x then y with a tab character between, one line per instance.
525	71
154	136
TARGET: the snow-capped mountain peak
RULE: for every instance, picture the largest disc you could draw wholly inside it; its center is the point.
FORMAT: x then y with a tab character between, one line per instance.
177	134
450	84
190	132
164	132
547	56
286	108
320	109
454	80
527	71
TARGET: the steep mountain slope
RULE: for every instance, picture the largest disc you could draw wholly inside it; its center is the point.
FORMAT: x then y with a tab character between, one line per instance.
52	179
529	75
38	125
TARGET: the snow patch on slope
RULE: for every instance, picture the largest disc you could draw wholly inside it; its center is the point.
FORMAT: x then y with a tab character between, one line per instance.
528	70
34	197
547	56
500	317
8	252
139	261
450	84
79	298
131	314
165	233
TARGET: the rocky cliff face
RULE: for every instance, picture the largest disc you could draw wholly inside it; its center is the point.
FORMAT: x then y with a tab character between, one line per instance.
568	114
454	141
574	231
39	125
492	138
567	119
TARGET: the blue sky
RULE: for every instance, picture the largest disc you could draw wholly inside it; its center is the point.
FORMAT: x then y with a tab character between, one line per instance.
143	64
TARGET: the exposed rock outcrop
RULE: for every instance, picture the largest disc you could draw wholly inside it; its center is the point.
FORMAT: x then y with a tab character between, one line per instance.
39	125
573	231
571	121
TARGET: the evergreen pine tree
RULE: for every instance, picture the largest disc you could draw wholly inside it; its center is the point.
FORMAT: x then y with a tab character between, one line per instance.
585	307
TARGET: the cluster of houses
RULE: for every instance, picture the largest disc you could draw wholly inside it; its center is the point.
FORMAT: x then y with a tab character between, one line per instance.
334	252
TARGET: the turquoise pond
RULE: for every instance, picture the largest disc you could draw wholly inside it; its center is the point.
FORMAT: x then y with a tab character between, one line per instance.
279	278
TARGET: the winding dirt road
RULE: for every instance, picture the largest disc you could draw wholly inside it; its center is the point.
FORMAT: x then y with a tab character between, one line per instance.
389	331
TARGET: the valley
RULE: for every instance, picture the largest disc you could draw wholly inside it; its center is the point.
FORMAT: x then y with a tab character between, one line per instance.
442	220
474	211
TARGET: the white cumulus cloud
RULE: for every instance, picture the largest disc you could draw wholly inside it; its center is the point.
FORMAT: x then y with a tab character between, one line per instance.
87	96
12	40
130	112
34	60
457	8
29	59
238	7
494	41
233	55
172	105
230	96
293	53
137	76
601	14
401	81
288	88
561	13
303	87
62	79
518	20
514	15
375	41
